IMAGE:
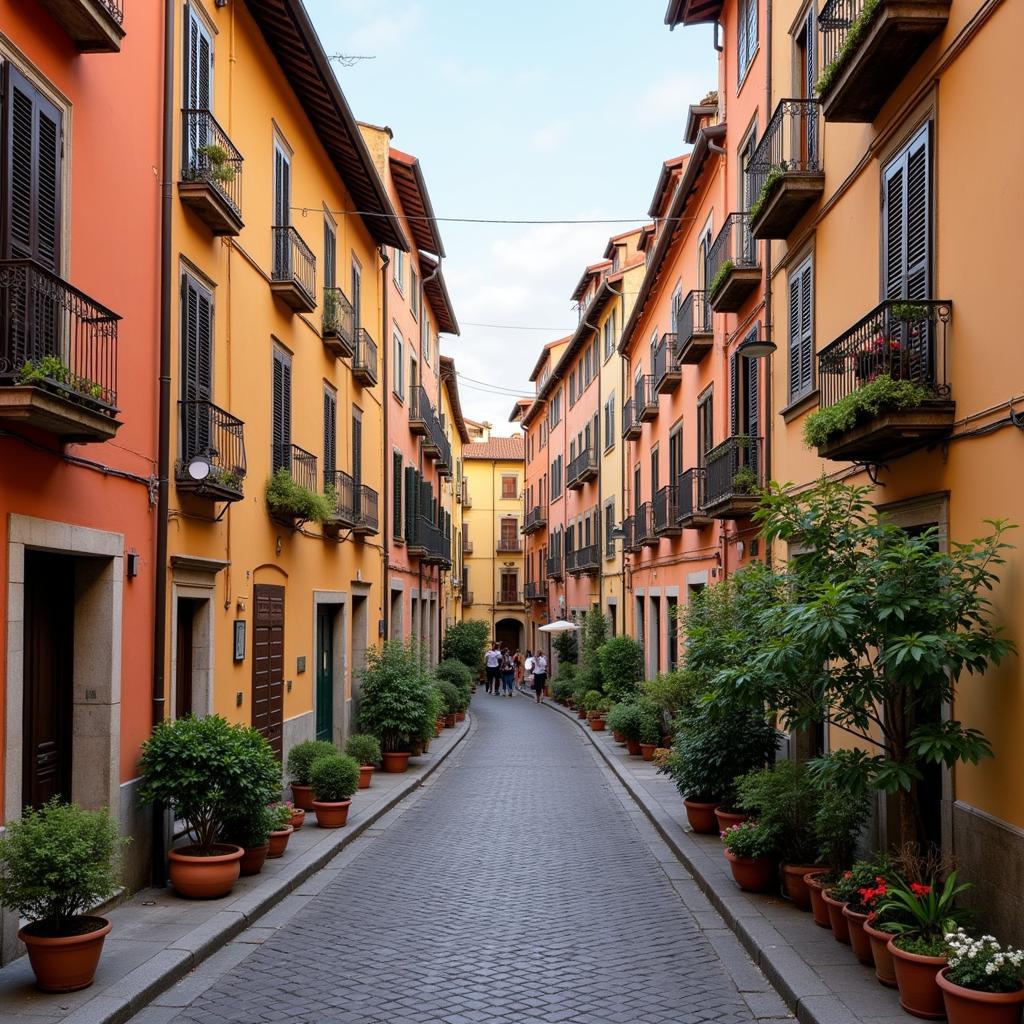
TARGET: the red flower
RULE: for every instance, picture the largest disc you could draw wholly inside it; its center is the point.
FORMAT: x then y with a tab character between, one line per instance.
918	889
847	874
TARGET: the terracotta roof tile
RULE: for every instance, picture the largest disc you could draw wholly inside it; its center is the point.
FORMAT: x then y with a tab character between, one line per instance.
499	449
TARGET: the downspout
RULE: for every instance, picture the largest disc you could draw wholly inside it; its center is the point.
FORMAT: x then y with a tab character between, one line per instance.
769	327
386	446
440	572
159	867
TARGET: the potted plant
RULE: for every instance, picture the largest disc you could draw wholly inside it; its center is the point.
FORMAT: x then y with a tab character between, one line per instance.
433	715
650	730
750	849
365	751
216	158
838	821
56	864
595	704
852	890
452	702
298	817
876	929
918	944
251	831
300	764
984	983
280	829
335	778
208	771
618	718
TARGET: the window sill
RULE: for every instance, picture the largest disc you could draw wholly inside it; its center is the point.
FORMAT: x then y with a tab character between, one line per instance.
800	406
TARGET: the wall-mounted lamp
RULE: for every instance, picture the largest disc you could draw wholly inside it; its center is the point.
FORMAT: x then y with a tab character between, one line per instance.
756	347
131	565
199	468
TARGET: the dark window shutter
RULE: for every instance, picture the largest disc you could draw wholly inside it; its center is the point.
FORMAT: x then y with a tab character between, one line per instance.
411	494
918	217
396	501
330	436
357	448
795	337
196	366
734	398
282	412
753	405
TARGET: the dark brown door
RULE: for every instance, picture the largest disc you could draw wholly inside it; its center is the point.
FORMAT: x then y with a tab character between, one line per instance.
183	659
268	663
49	674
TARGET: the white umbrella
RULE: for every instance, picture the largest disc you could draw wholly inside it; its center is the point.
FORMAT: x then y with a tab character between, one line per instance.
561	626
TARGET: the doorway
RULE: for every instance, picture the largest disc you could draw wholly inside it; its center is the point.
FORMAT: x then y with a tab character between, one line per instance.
188	614
325	617
509	633
268	664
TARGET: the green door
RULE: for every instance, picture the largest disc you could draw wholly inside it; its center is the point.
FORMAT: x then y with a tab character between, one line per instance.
324	674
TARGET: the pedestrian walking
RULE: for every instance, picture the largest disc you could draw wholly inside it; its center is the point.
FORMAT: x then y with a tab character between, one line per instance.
492	662
518	659
540	675
528	671
508	674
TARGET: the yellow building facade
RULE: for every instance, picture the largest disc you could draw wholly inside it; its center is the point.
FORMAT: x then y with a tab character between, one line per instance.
454	491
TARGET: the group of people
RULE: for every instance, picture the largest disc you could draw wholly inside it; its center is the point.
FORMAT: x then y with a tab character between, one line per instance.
508	671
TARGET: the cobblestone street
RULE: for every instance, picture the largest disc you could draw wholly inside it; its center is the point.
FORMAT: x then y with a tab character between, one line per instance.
518	887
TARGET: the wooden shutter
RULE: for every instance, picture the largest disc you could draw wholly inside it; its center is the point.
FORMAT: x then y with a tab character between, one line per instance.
357	447
801	330
753	405
396	500
330	436
330	255
356	296
734	396
411	495
196	366
282	411
810	81
198	65
906	216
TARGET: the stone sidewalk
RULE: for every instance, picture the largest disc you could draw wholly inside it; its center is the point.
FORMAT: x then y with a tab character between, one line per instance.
820	979
158	937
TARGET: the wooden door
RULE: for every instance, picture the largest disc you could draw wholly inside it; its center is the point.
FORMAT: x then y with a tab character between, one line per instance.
183	658
49	677
268	663
324	673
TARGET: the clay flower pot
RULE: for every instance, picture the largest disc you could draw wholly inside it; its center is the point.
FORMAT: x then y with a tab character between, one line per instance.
204	878
395	761
840	926
253	859
617	736
66	963
581	712
332	814
597	724
302	796
885	972
726	819
298	817
701	817
815	887
647	751
753	874
858	939
917	978
460	716
278	840
365	775
438	726
633	746
794	883
968	1006
449	721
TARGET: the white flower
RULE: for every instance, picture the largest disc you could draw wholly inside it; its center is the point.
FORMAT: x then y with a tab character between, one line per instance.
990	968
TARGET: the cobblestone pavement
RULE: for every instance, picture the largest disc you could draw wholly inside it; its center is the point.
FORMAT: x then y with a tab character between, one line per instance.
517	888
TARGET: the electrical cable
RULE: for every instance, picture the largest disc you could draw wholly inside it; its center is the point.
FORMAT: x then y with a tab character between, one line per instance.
305	210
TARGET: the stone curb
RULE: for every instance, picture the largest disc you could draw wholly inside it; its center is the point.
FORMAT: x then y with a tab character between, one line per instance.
797	982
137	989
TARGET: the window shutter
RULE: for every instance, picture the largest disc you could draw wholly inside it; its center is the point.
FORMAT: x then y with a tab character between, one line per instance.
753	424
357	449
906	213
734	403
330	436
811	78
396	499
282	412
795	338
807	328
411	493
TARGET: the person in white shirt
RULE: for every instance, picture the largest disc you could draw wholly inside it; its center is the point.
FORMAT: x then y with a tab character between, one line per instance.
527	671
492	661
540	676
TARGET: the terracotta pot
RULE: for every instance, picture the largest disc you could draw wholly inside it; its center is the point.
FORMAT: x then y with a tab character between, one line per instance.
66	963
204	878
966	1006
298	818
617	736
727	818
858	940
449	721
647	751
701	817
460	716
438	726
754	874
278	841
253	859
813	881
794	883
365	775
581	713
840	926
302	796
395	761
633	746
332	814
917	979
597	724
885	972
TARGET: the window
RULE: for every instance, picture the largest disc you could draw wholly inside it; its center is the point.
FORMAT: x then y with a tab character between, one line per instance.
398	269
509	593
746	37
198	82
609	423
655	474
282	210
425	337
705	426
509	488
609	336
677	301
672	629
675	456
398	365
196	366
746	199
414	372
357	450
555	410
906	221
396	501
609	525
801	330
330	435
509	533
556	478
744	404
357	293
281	411
594	357
414	292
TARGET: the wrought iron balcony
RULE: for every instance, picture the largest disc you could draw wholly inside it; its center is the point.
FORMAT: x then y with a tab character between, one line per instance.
467	545
643	526
694	334
58	355
440	448
211	452
690	493
785	175
664	366
509	545
630	539
509	597
421	411
666	512
436	548
554	567
364	511
467	598
645	398
211	173
582	469
734	268
301	467
293	279
364	359
338	325
95	26
631	426
536	591
467	498
867	50
536	519
903	342
733	475
343	487
585	561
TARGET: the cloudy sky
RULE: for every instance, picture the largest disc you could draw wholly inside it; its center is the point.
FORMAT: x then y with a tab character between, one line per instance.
545	109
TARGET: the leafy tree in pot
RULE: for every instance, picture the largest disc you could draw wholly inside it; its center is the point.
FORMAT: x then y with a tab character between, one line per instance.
363	748
334	778
466	642
302	756
396	696
622	666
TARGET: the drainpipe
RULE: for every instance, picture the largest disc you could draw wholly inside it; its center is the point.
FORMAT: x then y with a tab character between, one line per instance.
159	867
386	446
769	329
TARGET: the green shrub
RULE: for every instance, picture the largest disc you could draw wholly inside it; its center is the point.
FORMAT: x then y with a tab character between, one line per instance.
675	693
567	647
567	673
749	839
457	673
208	771
633	721
622	666
250	830
855	32
561	689
395	705
595	701
58	862
433	710
466	642
595	633
280	815
838	822
452	697
650	723
719	279
620	718
775	174
334	778
302	756
784	800
363	747
286	496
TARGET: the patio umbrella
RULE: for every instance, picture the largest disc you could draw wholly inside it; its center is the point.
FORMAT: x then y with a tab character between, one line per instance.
561	626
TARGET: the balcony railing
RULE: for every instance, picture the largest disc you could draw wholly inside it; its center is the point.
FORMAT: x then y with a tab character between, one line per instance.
58	349
583	561
689	494
365	511
294	272
213	437
344	489
630	538
467	545
509	597
631	426
467	598
536	519
364	359
436	547
694	333
733	268
509	545
421	411
666	511
536	591
733	474
302	467
338	327
664	366
211	173
645	398
467	498
440	448
898	340
554	567
643	525
581	469
785	176
95	26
